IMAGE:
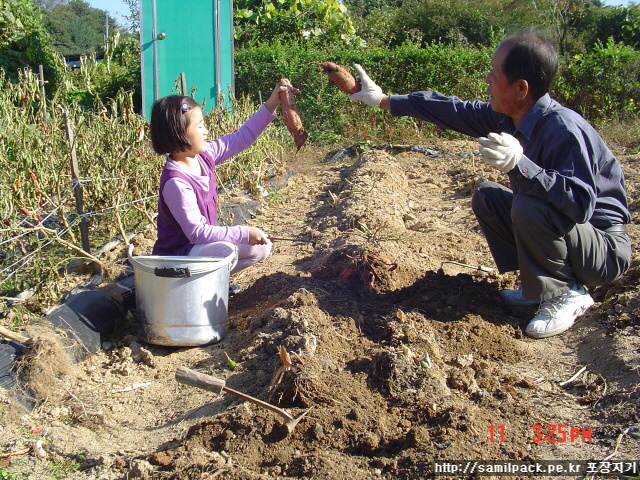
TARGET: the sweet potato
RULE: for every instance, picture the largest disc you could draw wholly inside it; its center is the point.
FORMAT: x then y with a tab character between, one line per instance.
291	117
340	77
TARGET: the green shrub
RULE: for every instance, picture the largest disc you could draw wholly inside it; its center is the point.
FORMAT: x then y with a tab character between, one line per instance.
24	43
100	82
602	83
445	21
6	474
326	112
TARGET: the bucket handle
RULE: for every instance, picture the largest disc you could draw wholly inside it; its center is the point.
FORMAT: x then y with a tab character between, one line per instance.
172	272
185	272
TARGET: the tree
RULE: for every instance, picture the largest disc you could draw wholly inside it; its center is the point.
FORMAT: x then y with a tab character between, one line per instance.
76	27
373	20
323	21
565	18
444	21
622	24
134	15
25	44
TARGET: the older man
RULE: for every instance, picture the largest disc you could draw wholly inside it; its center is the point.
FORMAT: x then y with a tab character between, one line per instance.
562	223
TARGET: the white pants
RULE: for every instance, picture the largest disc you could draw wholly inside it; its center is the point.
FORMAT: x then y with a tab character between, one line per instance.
247	254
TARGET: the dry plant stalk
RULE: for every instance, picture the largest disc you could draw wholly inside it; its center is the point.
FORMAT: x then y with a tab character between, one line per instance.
287	366
6	333
46	363
54	236
340	77
290	113
22	451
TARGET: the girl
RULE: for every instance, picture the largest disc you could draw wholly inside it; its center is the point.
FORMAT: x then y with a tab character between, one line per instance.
188	201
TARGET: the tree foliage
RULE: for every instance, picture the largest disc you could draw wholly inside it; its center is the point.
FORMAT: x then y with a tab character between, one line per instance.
133	18
445	21
76	27
604	82
574	25
322	21
24	43
622	24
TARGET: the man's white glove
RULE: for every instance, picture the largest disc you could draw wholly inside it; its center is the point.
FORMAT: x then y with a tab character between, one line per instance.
500	150
371	94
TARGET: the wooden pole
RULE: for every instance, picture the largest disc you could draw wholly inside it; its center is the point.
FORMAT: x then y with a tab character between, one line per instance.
16	337
77	190
43	98
183	84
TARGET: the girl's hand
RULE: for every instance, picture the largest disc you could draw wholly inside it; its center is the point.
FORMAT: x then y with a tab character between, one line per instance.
274	100
257	236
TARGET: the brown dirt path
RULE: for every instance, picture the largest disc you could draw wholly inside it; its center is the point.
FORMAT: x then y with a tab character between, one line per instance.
402	356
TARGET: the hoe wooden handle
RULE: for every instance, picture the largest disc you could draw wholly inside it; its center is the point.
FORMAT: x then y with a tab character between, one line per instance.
207	382
200	380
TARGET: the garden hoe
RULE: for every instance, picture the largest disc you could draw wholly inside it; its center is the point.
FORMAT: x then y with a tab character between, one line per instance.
207	382
295	240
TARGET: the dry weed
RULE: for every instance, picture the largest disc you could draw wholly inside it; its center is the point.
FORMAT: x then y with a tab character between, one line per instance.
46	365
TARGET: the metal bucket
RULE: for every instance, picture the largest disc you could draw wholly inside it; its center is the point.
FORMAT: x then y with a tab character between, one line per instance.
181	301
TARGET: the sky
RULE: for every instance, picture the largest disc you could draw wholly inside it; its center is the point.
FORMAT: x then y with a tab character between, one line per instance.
116	8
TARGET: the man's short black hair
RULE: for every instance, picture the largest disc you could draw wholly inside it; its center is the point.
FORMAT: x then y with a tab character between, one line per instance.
169	122
531	57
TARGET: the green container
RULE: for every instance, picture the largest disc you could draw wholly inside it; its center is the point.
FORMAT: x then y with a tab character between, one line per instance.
187	45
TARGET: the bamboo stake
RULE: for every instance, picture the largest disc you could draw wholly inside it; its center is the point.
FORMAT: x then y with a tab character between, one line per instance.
77	189
183	84
43	97
118	218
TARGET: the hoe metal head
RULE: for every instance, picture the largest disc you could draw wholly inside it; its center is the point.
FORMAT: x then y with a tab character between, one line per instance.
292	422
190	377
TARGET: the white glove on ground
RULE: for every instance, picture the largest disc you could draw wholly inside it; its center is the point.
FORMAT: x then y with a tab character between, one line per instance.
371	94
500	150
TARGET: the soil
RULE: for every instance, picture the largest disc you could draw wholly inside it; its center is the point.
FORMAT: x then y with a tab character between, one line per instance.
396	347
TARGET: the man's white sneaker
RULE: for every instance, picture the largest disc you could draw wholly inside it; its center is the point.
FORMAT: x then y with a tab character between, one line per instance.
558	314
514	298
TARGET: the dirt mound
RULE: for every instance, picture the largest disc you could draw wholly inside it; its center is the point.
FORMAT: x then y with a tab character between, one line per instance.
399	366
386	331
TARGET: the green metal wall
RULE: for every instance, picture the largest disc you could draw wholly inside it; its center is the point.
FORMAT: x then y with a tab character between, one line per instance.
198	41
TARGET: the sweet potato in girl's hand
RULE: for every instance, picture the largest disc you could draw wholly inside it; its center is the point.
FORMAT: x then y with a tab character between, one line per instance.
341	77
290	114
